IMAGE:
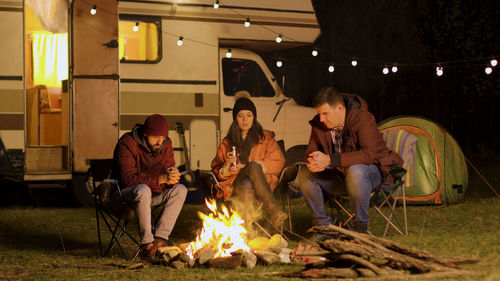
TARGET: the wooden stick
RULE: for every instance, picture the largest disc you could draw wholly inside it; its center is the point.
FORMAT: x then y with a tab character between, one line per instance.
261	228
477	171
361	262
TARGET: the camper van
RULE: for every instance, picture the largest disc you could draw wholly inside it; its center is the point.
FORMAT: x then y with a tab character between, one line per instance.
76	75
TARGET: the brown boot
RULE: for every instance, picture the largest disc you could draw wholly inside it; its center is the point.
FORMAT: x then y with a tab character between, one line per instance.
277	219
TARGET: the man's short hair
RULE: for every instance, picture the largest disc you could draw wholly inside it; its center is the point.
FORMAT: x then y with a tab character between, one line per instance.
328	95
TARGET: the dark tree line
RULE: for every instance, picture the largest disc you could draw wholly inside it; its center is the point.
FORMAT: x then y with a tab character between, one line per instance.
464	100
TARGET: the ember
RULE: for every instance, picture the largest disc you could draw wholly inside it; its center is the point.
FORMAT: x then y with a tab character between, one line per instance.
223	232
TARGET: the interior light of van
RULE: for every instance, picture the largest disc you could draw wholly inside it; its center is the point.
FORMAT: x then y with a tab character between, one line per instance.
385	70
247	22
354	62
136	27
279	63
216	4
180	42
228	54
278	39
93	11
331	68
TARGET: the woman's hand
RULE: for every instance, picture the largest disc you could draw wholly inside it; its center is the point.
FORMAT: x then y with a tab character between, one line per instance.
230	159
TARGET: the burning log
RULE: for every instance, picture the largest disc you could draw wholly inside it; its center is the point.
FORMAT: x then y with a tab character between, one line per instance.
353	255
231	262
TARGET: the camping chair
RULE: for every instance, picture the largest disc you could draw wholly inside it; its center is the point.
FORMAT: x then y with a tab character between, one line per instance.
115	216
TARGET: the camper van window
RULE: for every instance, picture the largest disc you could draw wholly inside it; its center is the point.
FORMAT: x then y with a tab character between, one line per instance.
139	39
245	75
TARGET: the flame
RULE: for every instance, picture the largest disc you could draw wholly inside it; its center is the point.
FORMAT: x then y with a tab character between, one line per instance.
222	231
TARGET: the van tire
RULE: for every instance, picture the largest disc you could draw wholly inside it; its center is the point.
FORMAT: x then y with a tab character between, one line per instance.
82	190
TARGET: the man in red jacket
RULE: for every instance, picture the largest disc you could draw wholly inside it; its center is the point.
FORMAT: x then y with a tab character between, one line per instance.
346	153
144	161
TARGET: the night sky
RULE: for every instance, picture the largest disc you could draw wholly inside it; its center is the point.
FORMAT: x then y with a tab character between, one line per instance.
461	36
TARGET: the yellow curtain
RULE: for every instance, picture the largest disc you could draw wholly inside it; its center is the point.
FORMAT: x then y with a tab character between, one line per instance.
50	58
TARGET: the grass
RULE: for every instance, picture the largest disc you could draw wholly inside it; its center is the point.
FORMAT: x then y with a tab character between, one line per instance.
54	243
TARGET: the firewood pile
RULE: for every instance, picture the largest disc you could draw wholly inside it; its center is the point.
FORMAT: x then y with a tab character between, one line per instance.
351	255
263	250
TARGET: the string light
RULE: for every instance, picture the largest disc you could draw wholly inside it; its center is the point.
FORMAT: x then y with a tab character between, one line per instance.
247	22
385	70
229	54
216	4
315	52
493	62
439	71
278	39
279	63
354	62
93	11
180	42
331	68
488	70
394	68
136	27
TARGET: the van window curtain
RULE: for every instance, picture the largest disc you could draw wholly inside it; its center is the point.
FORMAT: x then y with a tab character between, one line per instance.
50	58
52	14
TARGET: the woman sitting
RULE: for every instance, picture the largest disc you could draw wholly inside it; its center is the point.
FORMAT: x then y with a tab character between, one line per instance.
249	161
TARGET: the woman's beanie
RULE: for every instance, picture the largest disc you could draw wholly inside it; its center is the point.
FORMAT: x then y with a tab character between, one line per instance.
244	104
156	125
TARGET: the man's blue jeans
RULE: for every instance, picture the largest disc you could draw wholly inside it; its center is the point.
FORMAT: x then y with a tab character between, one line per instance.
358	183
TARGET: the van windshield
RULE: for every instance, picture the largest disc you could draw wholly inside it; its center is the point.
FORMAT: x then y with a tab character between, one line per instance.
245	75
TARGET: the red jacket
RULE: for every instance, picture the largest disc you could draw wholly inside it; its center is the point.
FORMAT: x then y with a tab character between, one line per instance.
135	163
362	143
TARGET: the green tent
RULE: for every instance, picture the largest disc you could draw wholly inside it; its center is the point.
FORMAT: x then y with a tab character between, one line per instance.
439	173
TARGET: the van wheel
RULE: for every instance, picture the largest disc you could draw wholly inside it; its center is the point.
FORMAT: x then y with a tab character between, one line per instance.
82	190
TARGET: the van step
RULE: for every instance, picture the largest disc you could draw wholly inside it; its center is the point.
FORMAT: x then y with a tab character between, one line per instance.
46	159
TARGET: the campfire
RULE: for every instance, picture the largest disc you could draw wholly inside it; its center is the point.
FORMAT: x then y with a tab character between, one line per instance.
223	232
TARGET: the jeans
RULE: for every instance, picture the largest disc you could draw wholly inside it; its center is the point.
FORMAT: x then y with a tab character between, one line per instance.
358	183
143	199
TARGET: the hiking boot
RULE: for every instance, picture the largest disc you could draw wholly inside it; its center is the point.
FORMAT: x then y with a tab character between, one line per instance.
361	227
162	242
277	219
148	250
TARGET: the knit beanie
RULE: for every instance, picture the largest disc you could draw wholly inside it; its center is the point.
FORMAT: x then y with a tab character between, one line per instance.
244	104
156	125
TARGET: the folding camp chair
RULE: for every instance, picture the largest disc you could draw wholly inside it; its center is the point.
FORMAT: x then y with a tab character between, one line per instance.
115	216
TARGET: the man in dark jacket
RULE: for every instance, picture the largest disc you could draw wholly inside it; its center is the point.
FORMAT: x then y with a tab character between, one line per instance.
346	153
144	161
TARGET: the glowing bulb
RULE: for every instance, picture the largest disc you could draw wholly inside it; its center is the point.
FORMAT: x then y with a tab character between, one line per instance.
247	22
228	54
279	63
136	27
216	4
488	70
180	42
93	11
493	62
315	52
354	62
278	39
394	68
331	68
439	71
385	70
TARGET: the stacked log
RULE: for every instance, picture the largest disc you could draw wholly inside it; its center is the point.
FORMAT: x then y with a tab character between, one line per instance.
350	255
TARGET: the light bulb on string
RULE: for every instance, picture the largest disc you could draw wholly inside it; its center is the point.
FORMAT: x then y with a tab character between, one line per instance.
278	39
488	70
216	4
493	62
136	27
93	11
180	41
394	68
385	70
314	52
331	68
439	71
247	22
228	53
354	62
279	63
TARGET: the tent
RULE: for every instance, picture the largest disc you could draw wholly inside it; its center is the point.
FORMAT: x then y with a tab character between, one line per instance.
437	171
